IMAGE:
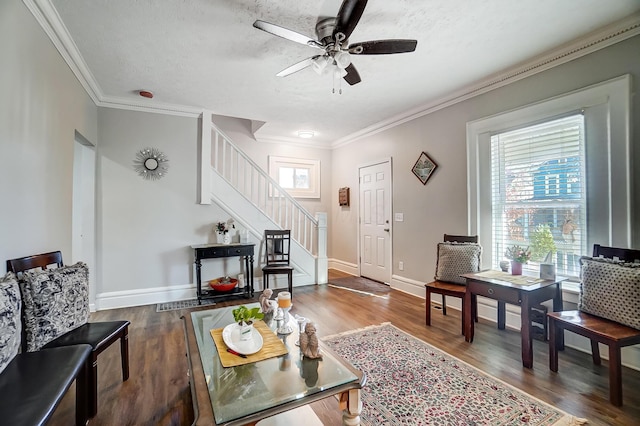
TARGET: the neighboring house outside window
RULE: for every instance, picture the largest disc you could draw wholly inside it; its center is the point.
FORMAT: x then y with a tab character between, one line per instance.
571	189
539	194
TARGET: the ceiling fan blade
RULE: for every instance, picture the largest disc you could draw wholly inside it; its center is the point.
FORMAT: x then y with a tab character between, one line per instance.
349	16
352	76
285	33
383	47
297	67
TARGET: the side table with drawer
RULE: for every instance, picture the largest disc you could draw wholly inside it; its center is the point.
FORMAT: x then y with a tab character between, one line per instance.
213	251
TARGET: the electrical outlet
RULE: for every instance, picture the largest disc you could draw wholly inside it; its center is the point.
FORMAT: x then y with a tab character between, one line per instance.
401	266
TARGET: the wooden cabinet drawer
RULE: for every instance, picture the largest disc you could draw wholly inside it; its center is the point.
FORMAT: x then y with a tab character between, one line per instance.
219	251
505	294
240	251
210	252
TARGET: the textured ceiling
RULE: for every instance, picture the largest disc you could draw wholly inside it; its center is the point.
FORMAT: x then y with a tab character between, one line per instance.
206	54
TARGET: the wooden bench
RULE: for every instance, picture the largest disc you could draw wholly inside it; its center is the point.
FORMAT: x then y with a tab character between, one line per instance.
597	329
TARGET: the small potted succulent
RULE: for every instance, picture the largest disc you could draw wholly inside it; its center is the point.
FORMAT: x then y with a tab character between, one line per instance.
245	318
518	255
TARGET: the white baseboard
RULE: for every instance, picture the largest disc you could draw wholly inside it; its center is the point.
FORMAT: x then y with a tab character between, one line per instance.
150	296
346	267
408	285
146	296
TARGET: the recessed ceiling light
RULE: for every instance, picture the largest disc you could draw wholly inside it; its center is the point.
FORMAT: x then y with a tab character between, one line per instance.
306	134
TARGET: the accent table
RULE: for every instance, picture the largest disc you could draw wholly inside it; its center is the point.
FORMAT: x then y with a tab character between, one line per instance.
213	251
245	394
523	295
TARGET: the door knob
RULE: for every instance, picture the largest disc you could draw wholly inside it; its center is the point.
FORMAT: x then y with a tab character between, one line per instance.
386	229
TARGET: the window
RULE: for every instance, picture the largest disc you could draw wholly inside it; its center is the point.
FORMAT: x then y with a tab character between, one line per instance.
546	181
299	177
538	192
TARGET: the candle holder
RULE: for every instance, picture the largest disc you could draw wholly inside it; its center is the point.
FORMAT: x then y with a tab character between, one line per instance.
284	302
301	323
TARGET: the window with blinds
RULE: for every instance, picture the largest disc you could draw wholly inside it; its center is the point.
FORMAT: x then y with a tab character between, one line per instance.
538	191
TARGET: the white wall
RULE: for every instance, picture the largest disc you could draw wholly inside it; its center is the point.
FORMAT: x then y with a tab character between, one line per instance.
41	106
146	227
239	131
441	206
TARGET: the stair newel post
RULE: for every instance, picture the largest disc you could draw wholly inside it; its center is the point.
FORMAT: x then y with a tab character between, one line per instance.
322	264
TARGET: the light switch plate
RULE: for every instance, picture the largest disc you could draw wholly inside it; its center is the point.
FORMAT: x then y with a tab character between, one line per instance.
399	217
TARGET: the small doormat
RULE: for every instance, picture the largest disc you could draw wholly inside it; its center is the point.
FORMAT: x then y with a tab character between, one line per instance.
361	285
182	304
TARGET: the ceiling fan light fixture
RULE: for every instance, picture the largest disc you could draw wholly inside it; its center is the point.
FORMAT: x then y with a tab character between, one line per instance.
343	59
320	64
306	134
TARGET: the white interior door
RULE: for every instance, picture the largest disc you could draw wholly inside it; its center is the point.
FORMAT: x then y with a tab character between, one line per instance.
375	221
83	211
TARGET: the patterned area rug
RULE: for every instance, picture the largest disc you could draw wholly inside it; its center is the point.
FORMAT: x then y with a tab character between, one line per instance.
361	285
182	304
410	382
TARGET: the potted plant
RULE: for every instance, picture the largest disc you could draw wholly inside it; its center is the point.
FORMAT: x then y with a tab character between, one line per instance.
245	318
518	255
223	228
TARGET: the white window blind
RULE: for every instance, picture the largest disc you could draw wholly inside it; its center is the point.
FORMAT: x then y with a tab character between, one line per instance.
538	191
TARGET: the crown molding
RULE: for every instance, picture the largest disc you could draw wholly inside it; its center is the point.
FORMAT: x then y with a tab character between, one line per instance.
50	21
156	107
607	36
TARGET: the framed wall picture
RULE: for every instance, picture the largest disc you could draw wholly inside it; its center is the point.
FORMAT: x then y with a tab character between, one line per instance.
424	167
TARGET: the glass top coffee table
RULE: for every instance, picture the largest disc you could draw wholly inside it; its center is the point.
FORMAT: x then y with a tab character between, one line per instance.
248	393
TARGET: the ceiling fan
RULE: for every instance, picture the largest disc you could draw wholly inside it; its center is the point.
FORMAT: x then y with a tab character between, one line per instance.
333	39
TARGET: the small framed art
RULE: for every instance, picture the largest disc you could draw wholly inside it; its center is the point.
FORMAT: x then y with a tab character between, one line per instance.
424	167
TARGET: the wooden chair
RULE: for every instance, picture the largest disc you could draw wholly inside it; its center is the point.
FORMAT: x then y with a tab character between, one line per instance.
598	330
448	289
99	335
277	245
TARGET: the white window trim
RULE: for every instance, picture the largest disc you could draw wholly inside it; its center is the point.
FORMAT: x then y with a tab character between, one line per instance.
275	163
615	94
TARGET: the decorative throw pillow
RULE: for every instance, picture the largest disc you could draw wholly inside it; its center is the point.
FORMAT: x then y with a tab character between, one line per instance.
10	326
611	289
455	259
55	302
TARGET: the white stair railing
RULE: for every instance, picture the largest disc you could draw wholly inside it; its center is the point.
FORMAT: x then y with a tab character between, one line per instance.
261	190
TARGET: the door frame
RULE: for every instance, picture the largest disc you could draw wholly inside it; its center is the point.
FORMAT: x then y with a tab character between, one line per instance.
84	210
390	206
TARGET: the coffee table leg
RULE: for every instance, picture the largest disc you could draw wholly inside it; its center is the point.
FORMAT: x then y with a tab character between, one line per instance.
351	415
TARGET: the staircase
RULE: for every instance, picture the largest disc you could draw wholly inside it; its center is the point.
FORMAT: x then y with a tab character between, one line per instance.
230	179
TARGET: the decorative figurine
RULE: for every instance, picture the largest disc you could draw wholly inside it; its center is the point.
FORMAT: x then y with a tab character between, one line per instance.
265	303
267	306
309	342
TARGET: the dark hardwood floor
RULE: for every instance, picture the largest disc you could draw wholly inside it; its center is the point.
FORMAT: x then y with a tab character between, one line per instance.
157	392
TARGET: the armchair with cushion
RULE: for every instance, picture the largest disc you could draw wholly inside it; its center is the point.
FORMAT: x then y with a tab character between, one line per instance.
56	313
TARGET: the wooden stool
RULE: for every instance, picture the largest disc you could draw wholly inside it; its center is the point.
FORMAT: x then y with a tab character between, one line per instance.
599	330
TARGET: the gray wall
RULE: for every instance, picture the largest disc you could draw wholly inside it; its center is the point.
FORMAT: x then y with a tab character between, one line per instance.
144	228
42	105
441	206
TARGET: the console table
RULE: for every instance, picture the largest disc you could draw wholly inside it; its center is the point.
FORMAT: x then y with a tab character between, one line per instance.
214	251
